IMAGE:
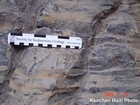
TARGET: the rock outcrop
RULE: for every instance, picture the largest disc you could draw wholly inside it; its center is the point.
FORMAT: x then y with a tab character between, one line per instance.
107	66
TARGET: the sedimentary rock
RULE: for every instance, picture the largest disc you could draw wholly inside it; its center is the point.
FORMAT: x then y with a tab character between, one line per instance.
106	67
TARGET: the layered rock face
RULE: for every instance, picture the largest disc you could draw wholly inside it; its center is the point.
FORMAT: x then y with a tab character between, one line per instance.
107	67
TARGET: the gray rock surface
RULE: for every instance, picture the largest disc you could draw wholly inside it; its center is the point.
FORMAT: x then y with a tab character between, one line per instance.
107	66
5	55
32	80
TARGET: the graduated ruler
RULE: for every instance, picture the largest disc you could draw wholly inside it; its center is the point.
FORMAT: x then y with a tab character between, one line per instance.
25	39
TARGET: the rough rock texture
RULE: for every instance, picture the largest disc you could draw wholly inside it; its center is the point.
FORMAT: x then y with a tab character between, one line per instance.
5	54
109	61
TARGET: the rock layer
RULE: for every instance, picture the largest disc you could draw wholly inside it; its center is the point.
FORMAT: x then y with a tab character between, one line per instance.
107	63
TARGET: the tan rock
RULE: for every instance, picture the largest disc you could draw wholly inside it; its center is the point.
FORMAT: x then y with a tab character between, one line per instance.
46	20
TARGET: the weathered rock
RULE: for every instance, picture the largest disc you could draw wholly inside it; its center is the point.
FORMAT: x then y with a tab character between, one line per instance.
74	15
119	29
6	52
130	2
33	80
112	65
109	60
46	21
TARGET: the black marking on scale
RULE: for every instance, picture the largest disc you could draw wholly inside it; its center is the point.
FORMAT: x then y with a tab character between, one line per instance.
58	45
30	44
12	43
63	37
76	47
21	44
67	46
49	46
37	35
16	34
40	45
